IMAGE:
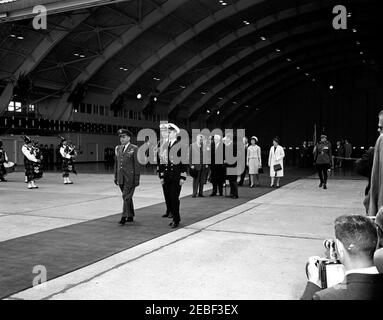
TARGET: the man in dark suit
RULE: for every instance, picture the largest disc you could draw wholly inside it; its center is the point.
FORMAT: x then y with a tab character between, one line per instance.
126	173
231	147
172	174
197	167
217	167
243	175
356	241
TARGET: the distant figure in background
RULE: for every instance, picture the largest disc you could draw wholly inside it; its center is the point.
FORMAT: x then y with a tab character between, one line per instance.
347	149
217	167
376	190
254	161
229	143
197	167
245	146
58	156
51	155
304	155
276	156
339	152
323	159
3	159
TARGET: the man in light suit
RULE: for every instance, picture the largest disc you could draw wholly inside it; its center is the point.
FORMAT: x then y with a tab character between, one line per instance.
126	173
356	242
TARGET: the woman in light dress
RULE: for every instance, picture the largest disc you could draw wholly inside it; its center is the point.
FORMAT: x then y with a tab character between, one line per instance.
254	161
276	156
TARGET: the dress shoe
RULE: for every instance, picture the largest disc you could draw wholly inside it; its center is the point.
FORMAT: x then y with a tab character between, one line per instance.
324	186
174	224
201	195
213	195
166	215
122	221
234	197
194	196
321	185
130	219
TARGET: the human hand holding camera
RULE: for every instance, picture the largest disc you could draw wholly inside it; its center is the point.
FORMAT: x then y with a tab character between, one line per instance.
312	270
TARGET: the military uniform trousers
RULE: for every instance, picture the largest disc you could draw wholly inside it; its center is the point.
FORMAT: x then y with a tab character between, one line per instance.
127	197
172	190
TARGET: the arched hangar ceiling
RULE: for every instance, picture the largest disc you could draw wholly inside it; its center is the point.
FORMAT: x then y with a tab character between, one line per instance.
194	55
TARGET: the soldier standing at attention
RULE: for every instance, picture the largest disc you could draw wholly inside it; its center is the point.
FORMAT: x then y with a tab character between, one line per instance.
172	175
126	173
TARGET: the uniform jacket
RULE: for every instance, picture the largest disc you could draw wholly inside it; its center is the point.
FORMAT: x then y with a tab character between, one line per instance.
168	168
127	167
356	286
323	153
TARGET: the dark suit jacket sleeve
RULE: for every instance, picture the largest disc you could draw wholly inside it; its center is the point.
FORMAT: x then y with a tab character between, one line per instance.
115	165
309	293
136	168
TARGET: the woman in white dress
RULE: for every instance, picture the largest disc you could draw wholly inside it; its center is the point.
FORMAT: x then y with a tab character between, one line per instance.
276	156
254	161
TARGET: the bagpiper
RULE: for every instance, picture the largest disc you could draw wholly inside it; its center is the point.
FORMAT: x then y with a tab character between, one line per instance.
31	163
68	153
3	159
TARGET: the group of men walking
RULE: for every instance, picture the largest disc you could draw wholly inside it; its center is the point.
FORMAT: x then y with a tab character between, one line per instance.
171	171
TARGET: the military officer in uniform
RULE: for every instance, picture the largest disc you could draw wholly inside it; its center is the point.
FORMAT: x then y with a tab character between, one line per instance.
172	174
126	173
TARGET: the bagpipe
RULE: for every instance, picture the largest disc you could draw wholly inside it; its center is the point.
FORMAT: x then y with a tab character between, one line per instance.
37	166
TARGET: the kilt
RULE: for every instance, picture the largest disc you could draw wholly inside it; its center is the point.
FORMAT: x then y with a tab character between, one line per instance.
67	167
38	169
29	169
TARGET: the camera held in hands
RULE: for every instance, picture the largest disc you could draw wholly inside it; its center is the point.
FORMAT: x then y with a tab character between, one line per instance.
331	270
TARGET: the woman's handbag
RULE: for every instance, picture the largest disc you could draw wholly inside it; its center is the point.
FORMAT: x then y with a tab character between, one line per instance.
277	167
260	170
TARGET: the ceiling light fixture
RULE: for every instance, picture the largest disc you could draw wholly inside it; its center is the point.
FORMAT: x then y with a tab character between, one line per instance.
263	38
288	59
139	96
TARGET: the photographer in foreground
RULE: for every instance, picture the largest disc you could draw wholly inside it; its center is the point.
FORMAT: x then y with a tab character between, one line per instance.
378	256
356	241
